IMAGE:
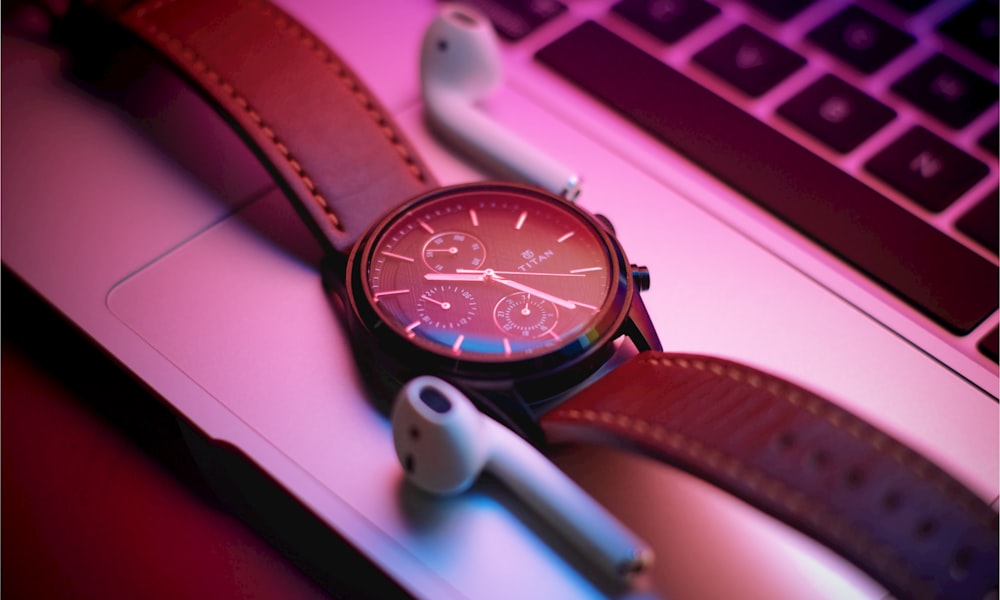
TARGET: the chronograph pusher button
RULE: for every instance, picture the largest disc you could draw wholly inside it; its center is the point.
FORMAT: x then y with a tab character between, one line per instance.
640	275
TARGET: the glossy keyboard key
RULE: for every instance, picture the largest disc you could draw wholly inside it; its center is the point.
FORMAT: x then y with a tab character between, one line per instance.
861	39
836	113
780	9
514	19
669	20
927	169
749	60
982	222
990	344
991	140
975	27
947	91
948	282
910	6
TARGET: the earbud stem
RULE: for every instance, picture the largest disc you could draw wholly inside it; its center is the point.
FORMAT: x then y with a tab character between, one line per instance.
494	146
581	520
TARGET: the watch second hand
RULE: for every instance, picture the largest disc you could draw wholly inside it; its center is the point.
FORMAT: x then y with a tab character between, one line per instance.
444	305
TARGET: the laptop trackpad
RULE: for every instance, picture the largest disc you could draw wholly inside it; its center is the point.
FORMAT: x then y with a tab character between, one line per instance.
248	320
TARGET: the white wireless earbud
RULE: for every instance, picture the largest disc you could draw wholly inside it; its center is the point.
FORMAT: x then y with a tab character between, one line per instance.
459	66
444	442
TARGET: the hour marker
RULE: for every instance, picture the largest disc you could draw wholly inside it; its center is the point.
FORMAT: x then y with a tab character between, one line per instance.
474	217
587	270
425	226
506	347
566	236
457	346
520	220
411	327
585	305
397	256
390	293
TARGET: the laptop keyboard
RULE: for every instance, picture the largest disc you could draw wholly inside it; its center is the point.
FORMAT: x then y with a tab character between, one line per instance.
908	209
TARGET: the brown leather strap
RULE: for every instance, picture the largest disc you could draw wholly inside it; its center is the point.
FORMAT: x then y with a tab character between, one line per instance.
326	138
799	458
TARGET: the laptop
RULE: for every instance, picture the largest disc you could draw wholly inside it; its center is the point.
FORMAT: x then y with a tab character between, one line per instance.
144	221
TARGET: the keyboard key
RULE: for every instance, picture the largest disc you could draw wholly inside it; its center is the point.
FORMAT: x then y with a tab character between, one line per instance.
934	273
910	6
836	113
982	223
947	90
861	39
781	9
975	27
927	169
991	140
514	19
669	20
749	60
990	344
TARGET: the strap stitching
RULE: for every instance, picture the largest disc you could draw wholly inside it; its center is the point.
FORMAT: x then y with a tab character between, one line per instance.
347	78
196	62
773	489
840	419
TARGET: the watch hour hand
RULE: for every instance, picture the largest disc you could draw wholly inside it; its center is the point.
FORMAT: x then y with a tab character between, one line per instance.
455	276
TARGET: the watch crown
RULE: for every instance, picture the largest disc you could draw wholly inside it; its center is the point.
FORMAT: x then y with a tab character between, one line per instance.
640	275
606	222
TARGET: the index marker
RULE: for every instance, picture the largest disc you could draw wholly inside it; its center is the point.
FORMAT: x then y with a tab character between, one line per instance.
396	256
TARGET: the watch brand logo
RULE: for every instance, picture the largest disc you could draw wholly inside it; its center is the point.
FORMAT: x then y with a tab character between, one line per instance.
531	260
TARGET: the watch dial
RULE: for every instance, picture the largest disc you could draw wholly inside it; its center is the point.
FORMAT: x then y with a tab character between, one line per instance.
492	273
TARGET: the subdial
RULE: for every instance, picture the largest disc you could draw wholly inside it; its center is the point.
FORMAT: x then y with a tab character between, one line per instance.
525	316
451	250
446	307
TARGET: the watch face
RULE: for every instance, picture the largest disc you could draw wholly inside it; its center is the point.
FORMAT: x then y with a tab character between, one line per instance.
491	273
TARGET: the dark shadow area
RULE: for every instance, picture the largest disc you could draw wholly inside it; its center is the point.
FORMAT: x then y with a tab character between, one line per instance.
105	392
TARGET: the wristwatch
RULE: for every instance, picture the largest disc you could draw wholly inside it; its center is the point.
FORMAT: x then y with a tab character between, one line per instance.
527	302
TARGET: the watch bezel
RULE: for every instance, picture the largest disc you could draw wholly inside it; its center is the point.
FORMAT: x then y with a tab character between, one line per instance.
577	351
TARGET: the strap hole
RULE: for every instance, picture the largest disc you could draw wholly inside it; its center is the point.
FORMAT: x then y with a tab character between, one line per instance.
925	529
855	478
961	564
818	459
892	502
784	440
